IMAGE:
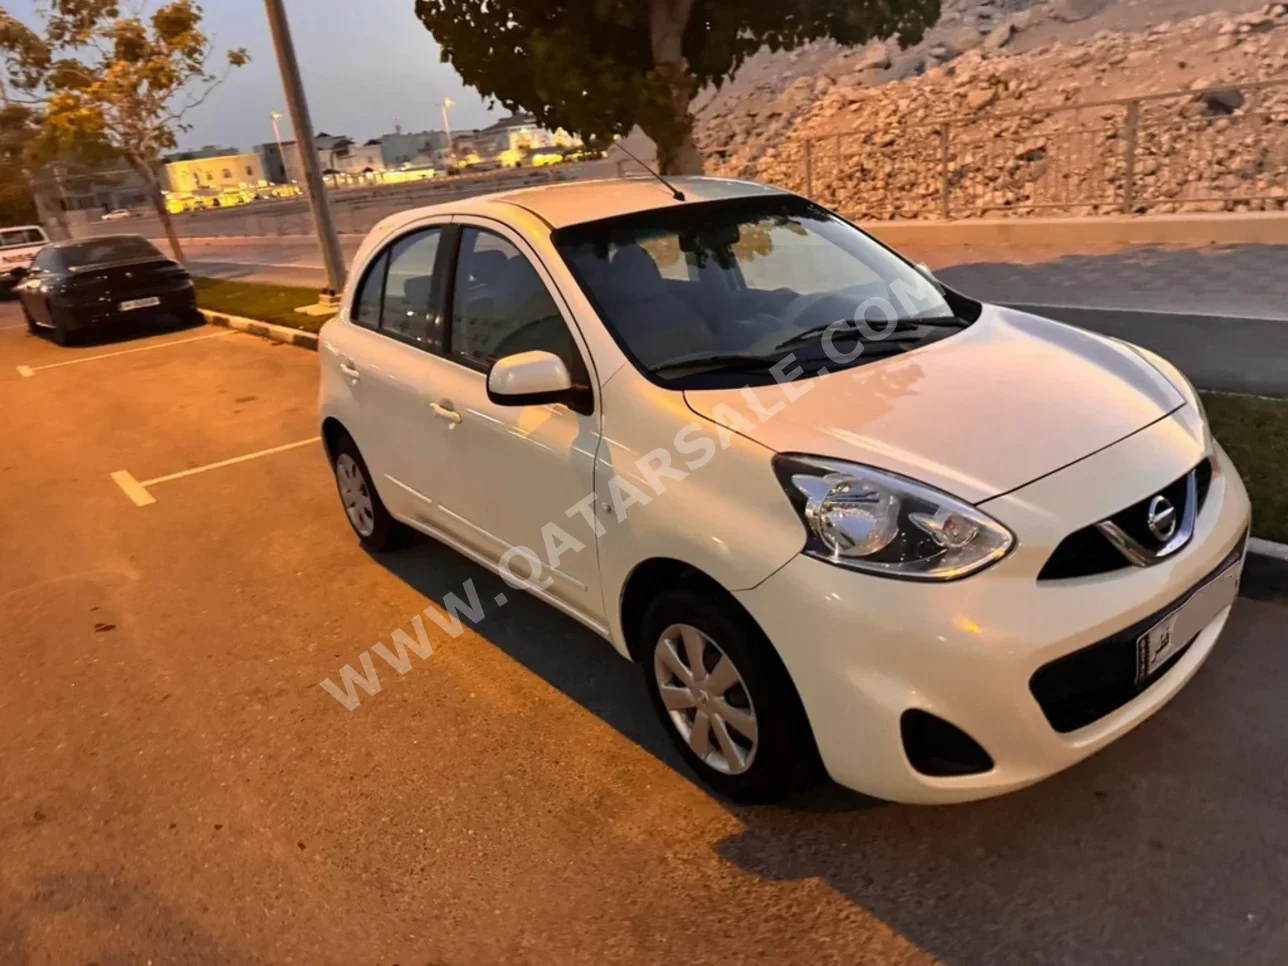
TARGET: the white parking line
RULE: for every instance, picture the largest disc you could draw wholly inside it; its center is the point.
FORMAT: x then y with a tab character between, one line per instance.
6	328
138	492
32	370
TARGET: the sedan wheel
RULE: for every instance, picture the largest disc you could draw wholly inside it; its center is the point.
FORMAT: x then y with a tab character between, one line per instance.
355	495
706	699
722	693
373	524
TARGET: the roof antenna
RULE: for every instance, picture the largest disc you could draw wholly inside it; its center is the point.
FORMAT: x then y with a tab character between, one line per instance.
676	193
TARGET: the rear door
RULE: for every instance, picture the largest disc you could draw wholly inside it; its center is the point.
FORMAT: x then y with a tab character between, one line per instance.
382	360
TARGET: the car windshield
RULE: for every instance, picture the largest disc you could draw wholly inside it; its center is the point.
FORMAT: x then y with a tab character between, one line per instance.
100	251
731	287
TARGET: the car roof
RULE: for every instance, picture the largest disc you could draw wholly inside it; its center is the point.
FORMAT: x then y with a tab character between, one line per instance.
574	202
90	239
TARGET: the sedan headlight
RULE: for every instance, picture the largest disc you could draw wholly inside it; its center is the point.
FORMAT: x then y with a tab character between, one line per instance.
886	524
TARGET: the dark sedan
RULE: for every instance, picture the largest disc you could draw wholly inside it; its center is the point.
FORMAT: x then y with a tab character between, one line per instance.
73	286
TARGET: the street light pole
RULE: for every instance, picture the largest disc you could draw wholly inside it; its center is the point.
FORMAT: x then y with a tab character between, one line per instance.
303	124
281	151
448	104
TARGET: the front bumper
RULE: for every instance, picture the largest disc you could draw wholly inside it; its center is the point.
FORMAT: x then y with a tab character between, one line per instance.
863	650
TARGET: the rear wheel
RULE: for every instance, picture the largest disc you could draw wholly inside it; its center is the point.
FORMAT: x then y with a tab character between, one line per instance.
376	529
725	698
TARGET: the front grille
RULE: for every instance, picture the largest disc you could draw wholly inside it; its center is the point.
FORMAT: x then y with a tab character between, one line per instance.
1081	688
1087	552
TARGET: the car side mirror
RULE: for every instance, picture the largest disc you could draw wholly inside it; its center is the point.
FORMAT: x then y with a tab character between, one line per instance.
21	271
529	379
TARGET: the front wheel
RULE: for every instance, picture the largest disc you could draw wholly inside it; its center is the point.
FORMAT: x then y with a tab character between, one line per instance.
376	529
725	698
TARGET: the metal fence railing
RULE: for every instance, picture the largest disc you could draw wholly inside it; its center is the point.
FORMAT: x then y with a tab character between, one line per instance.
1215	148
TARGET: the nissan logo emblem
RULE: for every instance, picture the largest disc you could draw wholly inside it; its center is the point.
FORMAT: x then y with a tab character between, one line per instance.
1161	518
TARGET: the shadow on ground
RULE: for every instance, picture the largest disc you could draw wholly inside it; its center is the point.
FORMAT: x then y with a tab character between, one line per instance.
1168	847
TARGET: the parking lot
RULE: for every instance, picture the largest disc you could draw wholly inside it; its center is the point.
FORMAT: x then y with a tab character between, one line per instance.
176	788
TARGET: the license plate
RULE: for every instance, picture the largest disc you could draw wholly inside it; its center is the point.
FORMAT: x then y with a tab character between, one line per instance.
139	304
1160	643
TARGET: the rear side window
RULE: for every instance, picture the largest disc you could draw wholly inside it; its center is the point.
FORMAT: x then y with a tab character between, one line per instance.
366	304
407	303
18	237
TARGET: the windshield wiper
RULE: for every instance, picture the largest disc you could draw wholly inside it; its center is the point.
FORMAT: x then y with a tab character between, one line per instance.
884	333
714	362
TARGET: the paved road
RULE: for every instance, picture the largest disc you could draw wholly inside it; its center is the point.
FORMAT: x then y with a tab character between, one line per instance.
1220	313
178	789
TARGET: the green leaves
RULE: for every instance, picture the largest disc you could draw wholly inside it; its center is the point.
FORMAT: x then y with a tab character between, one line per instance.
96	82
601	67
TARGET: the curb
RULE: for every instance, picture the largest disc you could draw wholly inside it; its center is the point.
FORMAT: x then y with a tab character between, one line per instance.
1265	572
267	330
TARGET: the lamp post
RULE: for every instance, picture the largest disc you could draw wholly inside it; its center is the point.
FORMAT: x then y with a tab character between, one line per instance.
277	136
303	124
448	104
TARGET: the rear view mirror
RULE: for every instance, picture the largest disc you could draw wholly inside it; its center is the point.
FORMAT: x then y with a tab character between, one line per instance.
529	379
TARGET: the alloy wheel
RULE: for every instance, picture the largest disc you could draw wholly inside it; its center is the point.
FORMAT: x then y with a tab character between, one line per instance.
355	495
706	699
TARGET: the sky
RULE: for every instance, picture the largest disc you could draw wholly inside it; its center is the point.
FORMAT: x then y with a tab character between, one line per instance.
363	62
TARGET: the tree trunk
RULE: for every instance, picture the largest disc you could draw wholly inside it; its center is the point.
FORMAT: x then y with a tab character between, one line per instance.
676	151
158	203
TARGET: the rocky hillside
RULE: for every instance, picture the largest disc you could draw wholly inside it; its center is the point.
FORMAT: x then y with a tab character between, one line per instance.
985	105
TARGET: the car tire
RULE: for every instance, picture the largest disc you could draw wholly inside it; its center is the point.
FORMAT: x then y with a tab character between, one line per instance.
60	334
764	725
376	530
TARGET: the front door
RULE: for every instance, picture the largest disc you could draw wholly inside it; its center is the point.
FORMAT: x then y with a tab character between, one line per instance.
518	474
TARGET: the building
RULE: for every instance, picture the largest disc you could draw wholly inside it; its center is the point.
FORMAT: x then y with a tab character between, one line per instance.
215	173
101	188
518	132
336	156
416	147
273	161
197	154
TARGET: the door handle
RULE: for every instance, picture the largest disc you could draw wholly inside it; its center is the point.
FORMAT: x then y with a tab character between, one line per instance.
442	412
350	370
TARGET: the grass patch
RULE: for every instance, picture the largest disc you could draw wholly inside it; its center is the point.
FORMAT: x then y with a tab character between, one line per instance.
1254	432
254	300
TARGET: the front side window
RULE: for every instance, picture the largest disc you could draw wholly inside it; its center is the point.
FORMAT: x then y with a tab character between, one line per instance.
501	307
719	293
46	260
407	303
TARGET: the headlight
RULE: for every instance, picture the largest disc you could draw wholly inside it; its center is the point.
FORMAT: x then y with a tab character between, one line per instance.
885	524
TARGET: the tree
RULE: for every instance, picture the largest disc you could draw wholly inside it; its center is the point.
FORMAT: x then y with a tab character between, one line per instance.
600	67
96	83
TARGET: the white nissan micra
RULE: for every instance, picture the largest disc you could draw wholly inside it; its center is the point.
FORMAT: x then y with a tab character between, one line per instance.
844	518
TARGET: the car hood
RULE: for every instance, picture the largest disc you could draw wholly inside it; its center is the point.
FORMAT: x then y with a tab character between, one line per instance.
980	413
